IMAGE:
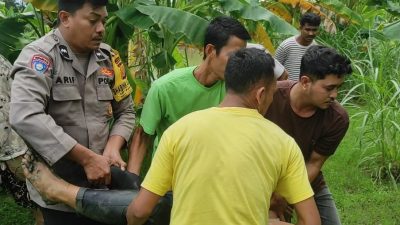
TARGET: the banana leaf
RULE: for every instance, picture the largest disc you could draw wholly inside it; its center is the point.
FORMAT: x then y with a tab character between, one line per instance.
46	5
251	10
392	31
342	10
393	8
10	41
176	21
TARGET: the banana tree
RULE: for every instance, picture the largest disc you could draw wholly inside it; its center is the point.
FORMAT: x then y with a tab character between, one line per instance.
22	27
158	26
169	22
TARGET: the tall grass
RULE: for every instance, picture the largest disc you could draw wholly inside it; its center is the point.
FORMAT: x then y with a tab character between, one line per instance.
373	90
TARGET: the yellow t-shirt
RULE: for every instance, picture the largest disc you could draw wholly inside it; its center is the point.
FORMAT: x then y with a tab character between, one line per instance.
223	164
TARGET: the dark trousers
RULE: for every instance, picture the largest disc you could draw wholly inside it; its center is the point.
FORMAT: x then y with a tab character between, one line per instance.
54	217
93	213
109	206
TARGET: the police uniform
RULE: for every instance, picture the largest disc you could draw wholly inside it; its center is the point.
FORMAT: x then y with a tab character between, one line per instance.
56	104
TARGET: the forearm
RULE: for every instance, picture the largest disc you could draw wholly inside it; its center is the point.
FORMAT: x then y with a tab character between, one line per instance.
133	220
124	116
80	154
115	143
307	212
138	150
141	208
312	171
134	214
315	220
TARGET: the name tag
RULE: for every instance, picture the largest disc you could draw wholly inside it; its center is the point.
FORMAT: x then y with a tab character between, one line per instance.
66	80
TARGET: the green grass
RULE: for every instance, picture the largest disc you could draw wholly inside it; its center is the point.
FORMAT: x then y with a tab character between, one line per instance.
11	213
359	200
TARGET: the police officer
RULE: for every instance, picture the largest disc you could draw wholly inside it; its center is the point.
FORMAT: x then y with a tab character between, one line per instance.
67	87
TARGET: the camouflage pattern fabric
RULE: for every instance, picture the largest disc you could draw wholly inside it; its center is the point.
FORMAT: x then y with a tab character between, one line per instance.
16	188
11	145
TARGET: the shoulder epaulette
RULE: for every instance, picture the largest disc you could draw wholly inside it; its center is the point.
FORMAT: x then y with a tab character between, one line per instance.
48	42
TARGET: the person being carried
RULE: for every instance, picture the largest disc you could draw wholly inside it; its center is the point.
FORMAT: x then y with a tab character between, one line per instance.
186	90
222	163
290	51
308	111
67	87
12	148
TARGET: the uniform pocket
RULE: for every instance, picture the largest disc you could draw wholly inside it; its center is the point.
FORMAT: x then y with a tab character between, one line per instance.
66	93
104	93
66	106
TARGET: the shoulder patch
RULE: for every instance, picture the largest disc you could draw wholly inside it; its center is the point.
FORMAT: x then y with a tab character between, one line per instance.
40	63
107	72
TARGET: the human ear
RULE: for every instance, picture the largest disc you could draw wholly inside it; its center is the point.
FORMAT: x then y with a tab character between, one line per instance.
63	16
209	50
305	81
260	92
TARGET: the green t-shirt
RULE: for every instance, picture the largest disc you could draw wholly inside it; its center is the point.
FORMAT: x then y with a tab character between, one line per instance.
173	96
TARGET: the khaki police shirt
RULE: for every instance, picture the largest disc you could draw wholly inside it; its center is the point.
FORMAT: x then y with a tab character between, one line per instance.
55	104
11	145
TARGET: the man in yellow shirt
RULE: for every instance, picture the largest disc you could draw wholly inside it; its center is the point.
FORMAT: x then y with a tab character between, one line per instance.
222	164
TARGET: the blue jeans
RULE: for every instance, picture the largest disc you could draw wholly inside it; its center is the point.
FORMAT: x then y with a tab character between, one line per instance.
326	207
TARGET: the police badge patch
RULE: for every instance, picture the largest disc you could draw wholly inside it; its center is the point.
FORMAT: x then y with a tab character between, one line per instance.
40	63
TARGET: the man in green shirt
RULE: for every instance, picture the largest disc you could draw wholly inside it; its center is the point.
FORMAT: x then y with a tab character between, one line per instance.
186	90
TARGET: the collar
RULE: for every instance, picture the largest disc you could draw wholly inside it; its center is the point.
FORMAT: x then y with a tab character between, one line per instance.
68	54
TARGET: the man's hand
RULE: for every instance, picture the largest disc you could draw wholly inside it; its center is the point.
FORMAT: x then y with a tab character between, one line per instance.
280	206
112	151
115	158
97	169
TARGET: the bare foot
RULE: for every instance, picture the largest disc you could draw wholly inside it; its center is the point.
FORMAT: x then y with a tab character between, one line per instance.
51	188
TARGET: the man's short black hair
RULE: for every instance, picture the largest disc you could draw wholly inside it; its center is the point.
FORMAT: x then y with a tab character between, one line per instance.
72	6
221	29
320	61
247	67
311	19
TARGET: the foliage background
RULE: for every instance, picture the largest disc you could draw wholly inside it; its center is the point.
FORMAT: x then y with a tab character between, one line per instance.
155	36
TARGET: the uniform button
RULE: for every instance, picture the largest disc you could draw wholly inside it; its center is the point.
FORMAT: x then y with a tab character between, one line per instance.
55	37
